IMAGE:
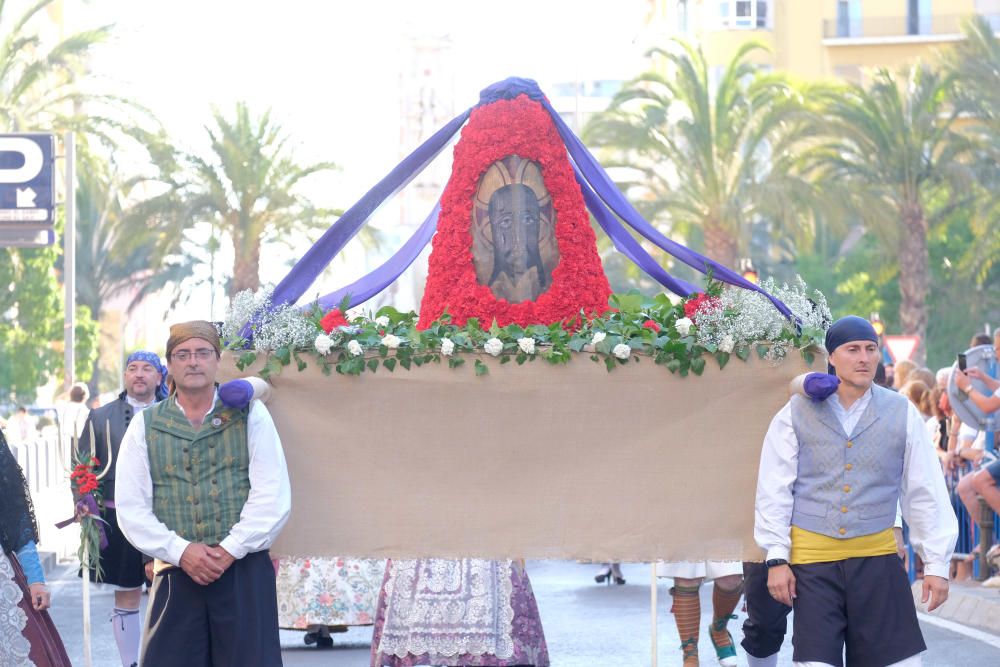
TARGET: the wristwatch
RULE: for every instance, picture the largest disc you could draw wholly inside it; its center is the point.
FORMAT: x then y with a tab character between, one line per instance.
775	562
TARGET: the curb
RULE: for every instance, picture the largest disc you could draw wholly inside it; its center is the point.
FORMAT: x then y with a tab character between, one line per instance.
968	604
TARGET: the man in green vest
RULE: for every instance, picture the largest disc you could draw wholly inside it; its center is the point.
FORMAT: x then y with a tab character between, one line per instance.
203	488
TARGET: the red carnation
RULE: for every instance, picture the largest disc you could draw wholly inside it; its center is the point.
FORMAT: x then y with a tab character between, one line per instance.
333	319
651	324
699	303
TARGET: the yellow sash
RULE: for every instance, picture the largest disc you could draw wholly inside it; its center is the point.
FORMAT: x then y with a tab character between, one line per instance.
810	547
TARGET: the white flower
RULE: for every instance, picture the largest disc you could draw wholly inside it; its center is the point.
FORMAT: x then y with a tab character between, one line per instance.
354	347
447	347
683	325
598	337
493	346
391	342
622	351
727	344
527	345
382	321
323	344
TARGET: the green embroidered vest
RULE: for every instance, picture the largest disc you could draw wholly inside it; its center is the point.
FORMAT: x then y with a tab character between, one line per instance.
201	476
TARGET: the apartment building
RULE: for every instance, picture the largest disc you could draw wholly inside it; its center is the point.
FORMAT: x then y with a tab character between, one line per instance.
821	38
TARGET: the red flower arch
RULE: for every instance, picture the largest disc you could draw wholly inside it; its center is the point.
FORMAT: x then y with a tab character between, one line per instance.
512	127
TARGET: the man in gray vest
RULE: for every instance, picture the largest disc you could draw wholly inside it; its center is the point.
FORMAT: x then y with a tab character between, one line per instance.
831	474
203	488
121	563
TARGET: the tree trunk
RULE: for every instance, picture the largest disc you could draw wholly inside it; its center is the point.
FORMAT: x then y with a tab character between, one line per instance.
720	245
914	278
246	265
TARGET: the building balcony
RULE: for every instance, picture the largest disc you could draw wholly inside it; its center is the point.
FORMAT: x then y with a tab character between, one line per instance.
876	29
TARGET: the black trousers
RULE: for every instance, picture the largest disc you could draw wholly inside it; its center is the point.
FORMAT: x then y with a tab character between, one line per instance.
767	619
232	622
863	604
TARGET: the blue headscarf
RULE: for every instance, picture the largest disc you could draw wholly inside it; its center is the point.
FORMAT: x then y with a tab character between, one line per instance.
153	360
848	329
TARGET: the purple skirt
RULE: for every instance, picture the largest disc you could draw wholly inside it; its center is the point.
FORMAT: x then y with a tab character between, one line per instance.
525	630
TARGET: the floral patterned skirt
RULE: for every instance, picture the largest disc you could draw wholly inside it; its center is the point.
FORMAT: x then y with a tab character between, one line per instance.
327	591
457	612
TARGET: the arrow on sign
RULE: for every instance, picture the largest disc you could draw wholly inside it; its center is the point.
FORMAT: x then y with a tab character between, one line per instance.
26	198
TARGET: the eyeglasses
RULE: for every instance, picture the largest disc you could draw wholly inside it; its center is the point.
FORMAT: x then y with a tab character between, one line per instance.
203	354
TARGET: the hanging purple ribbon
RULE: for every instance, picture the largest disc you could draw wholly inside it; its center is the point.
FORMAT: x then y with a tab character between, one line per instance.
609	193
626	243
365	288
334	239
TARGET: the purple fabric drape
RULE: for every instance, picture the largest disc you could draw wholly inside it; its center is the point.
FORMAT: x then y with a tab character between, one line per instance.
601	196
609	193
371	284
334	239
626	244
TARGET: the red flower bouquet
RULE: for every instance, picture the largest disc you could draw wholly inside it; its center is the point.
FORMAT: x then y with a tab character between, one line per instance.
93	538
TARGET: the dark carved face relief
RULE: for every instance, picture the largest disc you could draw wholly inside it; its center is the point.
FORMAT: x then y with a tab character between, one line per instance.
514	222
514	247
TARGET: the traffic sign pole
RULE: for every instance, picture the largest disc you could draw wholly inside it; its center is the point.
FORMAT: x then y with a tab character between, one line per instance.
69	261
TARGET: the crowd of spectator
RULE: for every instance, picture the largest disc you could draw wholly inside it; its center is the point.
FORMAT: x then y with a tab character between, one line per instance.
970	466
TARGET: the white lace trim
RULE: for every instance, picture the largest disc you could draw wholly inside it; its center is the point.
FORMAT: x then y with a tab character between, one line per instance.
14	646
448	608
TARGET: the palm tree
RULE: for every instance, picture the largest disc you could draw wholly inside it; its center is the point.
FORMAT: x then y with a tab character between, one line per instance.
713	158
247	189
40	89
975	62
118	251
890	150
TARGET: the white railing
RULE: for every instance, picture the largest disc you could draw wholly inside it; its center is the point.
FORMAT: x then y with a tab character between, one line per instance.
46	462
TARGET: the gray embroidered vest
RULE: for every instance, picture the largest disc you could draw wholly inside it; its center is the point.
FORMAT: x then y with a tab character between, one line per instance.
848	483
201	477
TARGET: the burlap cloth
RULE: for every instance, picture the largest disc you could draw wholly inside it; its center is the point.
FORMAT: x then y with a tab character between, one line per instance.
533	461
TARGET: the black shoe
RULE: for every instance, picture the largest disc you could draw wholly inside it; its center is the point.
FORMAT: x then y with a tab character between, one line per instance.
620	581
601	578
324	641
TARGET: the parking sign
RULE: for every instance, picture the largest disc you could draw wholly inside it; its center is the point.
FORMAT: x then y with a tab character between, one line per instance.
27	177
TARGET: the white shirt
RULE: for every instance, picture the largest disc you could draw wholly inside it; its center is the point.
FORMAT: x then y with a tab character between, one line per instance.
924	500
263	515
139	405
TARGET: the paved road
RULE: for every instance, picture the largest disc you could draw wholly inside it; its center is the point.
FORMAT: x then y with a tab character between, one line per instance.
586	624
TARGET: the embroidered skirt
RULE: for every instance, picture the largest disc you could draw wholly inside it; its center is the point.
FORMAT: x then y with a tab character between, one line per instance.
27	637
457	612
